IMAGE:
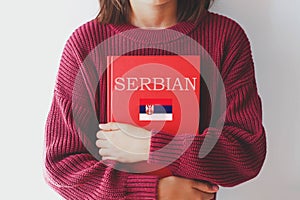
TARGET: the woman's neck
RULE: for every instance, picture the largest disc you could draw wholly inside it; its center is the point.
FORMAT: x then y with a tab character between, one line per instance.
150	15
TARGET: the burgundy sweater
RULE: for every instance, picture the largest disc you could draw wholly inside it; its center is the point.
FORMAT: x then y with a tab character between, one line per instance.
72	166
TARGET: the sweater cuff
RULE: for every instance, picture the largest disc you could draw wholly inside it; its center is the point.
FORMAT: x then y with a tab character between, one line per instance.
166	149
142	187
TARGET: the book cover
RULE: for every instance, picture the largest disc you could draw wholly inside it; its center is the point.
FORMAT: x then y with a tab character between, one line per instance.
159	93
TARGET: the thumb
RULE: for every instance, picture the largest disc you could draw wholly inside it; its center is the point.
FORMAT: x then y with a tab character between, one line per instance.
205	187
111	126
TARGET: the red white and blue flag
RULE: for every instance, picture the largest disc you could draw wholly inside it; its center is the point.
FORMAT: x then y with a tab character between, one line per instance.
156	110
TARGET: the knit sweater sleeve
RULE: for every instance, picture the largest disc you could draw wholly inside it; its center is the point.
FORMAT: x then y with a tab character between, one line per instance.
240	150
69	167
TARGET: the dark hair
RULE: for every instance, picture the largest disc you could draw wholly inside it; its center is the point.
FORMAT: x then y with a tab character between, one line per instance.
117	11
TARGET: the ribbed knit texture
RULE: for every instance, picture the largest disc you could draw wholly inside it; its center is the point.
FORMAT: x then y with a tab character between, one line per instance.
237	157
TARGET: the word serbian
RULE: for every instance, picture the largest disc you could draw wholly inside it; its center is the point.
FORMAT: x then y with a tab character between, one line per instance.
155	84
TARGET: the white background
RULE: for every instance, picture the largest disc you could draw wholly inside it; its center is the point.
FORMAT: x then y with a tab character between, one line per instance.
33	34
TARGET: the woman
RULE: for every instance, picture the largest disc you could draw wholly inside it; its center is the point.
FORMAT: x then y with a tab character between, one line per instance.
238	155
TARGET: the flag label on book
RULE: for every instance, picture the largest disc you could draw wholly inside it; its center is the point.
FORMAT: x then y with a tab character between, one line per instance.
156	110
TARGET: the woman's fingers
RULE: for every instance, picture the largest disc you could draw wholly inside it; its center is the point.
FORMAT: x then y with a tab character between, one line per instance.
104	153
104	135
111	126
203	195
109	158
100	135
190	189
102	143
126	143
205	187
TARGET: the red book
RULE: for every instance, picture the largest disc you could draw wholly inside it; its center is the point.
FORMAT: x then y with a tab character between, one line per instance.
155	92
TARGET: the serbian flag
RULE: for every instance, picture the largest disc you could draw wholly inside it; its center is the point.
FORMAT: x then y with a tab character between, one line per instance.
156	110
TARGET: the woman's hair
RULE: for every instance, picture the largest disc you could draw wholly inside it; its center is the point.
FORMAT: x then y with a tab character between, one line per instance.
117	11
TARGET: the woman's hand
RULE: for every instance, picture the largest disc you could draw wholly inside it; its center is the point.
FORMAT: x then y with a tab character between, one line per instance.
123	142
177	188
